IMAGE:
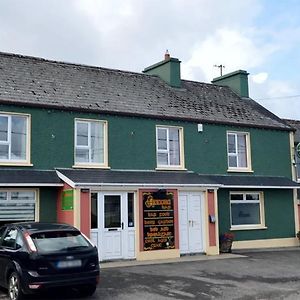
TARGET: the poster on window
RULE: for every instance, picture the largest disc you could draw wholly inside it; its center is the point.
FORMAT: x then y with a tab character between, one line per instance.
158	220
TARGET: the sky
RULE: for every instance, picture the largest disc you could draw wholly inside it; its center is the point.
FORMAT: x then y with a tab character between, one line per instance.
259	36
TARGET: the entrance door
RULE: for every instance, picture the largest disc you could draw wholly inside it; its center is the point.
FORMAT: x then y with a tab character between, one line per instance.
115	232
191	225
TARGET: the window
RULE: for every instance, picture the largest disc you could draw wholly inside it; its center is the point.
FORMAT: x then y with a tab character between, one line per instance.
238	151
14	138
17	206
246	209
130	202
90	143
169	147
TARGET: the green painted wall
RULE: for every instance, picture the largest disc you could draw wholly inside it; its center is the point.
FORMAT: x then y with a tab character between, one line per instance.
279	216
48	197
132	143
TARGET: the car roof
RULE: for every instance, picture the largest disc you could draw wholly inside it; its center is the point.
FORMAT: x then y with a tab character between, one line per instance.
32	227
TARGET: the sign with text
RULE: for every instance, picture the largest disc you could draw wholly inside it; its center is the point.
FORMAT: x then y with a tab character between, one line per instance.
158	220
67	200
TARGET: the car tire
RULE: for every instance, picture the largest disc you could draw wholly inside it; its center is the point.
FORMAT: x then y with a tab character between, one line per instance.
88	290
14	287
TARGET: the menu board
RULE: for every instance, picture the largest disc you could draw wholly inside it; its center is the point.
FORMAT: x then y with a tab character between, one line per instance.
158	220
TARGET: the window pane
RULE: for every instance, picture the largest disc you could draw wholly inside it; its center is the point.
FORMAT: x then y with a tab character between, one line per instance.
82	155
162	159
252	197
130	210
236	196
3	128
10	238
18	137
15	196
245	214
242	151
174	146
162	139
3	196
94	210
82	134
231	143
232	160
4	151
112	211
97	142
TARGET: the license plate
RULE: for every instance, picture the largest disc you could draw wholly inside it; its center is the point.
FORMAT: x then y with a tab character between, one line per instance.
69	264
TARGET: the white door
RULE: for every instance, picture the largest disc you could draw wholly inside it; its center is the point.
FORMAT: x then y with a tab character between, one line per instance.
115	232
191	222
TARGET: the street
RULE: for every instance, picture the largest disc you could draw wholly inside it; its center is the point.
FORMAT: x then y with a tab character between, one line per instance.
256	275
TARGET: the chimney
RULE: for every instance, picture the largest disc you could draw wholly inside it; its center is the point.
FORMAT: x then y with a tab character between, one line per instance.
237	81
167	69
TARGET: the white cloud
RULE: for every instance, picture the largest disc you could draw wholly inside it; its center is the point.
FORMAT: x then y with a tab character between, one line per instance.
260	77
232	48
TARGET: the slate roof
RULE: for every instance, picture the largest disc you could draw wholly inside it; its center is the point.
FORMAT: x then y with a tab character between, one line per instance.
37	82
29	178
296	125
89	177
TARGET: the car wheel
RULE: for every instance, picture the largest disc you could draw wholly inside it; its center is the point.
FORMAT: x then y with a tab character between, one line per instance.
88	290
14	287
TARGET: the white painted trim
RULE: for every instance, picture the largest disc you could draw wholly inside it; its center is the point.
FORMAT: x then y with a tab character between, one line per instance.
65	179
140	185
30	184
259	187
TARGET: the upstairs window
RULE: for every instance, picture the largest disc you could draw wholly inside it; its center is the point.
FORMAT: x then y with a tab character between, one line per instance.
90	143
14	138
238	144
169	147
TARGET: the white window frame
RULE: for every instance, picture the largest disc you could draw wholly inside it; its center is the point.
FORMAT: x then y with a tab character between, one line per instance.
248	168
181	149
260	225
10	161
36	198
105	154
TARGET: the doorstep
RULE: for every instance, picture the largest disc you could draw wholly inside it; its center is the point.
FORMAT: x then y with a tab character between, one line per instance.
185	258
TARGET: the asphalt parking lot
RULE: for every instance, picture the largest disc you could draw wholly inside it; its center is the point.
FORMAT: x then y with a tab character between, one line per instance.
254	275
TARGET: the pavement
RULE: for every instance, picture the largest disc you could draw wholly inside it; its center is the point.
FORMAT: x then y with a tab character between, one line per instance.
242	275
185	258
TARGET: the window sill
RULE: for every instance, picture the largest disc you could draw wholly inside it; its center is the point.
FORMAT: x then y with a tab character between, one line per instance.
260	227
170	169
240	170
91	167
10	163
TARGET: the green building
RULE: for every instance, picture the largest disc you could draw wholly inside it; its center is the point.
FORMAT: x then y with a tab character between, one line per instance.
146	164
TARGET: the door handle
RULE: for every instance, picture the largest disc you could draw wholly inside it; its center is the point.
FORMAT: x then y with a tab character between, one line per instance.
122	225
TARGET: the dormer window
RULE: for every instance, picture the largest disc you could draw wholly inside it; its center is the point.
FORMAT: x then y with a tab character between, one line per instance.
169	147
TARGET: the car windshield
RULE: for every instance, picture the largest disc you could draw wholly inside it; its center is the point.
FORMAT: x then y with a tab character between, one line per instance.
59	241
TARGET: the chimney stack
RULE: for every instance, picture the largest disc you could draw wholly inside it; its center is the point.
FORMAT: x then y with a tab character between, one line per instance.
167	69
237	81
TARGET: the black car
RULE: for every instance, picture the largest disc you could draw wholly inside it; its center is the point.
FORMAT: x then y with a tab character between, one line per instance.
37	256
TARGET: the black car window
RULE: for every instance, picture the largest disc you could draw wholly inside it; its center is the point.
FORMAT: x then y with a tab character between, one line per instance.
9	239
2	231
59	241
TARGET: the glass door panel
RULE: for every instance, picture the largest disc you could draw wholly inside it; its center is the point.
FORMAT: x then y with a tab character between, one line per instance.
112	211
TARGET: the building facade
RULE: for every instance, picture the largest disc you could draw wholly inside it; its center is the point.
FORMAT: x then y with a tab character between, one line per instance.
148	165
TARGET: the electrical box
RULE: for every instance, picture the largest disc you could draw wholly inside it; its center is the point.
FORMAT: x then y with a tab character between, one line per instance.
212	219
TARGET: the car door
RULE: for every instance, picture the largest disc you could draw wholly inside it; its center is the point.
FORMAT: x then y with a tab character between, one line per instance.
8	246
2	232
